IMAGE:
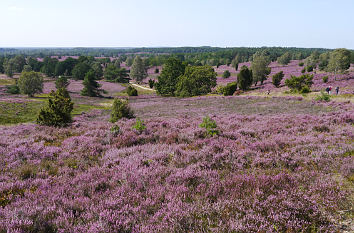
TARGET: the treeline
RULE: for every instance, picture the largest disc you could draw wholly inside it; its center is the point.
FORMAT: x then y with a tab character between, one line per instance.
204	55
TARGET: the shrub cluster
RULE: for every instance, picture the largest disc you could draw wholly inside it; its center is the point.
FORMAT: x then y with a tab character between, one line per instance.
229	89
300	84
131	91
276	79
58	110
120	109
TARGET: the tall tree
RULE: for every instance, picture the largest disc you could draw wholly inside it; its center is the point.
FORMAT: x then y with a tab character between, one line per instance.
80	70
167	81
197	80
259	67
91	86
137	70
9	67
339	61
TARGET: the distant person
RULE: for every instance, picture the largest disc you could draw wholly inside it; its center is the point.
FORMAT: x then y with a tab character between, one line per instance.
330	89
327	90
268	92
337	90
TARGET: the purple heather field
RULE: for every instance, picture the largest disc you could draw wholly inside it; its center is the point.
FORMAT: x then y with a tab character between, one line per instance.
278	164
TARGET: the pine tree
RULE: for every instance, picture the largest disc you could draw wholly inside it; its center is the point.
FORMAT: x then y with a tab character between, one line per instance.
58	111
91	86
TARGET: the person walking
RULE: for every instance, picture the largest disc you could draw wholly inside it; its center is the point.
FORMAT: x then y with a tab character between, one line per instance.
337	90
327	90
330	89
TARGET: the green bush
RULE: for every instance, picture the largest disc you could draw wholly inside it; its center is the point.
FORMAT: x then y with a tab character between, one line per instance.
30	83
139	125
210	126
120	109
58	110
12	89
305	89
244	78
309	68
276	79
303	70
151	83
300	84
301	64
229	89
131	91
226	74
325	79
157	71
323	97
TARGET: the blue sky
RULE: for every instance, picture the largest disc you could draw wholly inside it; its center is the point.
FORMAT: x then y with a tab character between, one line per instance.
155	23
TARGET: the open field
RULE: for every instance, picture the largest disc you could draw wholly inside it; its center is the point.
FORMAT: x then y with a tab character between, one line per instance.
279	163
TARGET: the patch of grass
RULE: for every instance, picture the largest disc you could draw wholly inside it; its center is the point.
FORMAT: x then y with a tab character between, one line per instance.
7	82
80	108
14	113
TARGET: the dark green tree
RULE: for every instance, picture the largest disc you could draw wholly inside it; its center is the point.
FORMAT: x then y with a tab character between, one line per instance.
91	86
9	67
80	70
58	110
112	73
244	78
97	69
197	80
276	79
226	74
167	81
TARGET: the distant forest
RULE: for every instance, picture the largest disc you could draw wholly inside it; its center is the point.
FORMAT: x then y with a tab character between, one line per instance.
157	56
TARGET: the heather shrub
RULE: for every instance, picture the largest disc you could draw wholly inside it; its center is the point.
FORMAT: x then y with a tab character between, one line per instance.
139	125
58	110
226	74
325	79
300	84
309	68
321	129
131	91
120	109
115	130
303	70
151	83
210	126
323	97
12	89
27	171
301	64
229	89
30	83
276	79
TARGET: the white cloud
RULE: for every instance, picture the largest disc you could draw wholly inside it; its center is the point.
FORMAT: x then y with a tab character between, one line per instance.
16	9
